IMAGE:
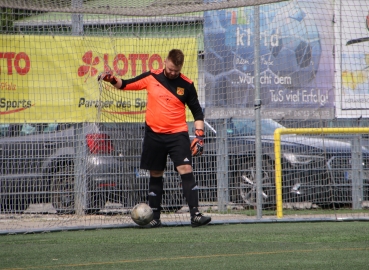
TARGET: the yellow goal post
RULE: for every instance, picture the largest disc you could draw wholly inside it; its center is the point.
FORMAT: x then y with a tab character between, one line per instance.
277	151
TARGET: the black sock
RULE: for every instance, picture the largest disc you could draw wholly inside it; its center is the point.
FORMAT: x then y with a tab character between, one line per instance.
191	192
155	195
193	211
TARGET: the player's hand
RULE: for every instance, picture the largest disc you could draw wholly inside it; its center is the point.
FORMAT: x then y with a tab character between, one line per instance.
107	77
197	145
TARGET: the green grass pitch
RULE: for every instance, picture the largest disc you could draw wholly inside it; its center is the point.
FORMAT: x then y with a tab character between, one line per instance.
319	245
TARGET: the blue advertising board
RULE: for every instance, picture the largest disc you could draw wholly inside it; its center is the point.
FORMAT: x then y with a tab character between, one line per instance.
296	61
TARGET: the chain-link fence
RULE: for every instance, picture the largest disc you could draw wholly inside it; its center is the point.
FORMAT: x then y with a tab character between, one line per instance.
70	147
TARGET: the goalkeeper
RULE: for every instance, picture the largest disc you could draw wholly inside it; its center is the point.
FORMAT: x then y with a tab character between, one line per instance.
166	130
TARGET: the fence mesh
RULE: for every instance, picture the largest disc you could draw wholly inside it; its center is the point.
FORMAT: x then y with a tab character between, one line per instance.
70	146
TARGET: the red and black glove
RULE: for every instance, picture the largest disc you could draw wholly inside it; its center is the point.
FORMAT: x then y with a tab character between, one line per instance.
197	145
107	77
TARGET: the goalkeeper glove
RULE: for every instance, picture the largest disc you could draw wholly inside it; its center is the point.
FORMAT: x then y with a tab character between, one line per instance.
197	145
107	77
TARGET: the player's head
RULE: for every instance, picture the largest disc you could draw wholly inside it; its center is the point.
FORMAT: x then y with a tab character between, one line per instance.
173	63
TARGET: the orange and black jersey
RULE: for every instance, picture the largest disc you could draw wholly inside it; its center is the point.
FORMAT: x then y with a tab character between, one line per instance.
166	100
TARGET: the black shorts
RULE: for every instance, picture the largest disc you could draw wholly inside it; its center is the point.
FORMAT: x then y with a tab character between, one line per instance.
157	147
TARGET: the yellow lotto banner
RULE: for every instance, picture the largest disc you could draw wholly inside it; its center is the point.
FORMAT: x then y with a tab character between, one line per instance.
47	79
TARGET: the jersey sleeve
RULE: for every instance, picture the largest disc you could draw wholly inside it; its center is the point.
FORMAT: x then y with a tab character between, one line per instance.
137	83
194	105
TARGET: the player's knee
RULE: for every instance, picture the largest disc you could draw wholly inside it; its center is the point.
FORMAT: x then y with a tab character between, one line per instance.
184	169
156	173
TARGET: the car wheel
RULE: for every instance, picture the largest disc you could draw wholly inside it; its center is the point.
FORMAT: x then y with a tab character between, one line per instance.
246	183
62	188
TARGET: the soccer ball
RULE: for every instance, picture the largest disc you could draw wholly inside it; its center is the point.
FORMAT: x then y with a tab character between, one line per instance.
142	214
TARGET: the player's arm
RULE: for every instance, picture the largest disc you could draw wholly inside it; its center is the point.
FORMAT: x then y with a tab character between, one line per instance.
110	78
199	124
138	83
195	108
197	144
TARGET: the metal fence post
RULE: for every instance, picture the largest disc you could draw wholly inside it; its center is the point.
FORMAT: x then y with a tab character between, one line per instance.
80	188
80	171
257	106
222	166
356	173
77	19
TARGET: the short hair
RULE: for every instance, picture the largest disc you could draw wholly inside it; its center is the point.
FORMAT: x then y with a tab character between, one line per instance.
176	56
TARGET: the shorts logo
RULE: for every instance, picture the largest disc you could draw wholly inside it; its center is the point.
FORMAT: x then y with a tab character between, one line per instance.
180	91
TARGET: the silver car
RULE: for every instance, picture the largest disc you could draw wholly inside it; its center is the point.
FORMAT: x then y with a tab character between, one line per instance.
75	167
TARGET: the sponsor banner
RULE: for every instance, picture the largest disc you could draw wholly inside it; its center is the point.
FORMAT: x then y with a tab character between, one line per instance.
296	61
352	63
54	79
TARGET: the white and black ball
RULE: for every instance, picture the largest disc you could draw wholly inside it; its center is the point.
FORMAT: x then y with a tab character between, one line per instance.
142	214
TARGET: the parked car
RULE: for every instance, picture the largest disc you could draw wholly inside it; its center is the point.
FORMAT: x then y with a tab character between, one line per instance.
95	167
316	169
75	167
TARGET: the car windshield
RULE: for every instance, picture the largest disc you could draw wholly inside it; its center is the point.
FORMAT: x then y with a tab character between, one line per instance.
247	127
15	130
